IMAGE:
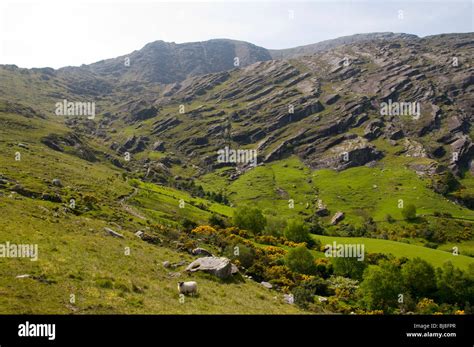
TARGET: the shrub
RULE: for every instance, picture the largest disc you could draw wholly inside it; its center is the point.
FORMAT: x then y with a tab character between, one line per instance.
236	231
204	230
376	258
301	260
294	244
188	224
349	267
303	296
344	288
274	253
275	226
297	231
267	240
280	275
419	278
454	285
317	286
244	254
217	221
315	226
427	306
445	183
189	245
90	201
432	245
324	267
258	270
381	286
104	283
436	232
249	218
409	212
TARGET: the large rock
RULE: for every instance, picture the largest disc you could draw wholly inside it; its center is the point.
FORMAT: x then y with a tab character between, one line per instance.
159	146
144	114
373	129
218	266
201	251
57	182
134	144
464	149
113	233
331	99
53	197
351	152
337	218
322	212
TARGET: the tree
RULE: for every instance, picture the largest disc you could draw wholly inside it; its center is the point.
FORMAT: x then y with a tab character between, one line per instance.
409	212
249	218
297	231
275	226
300	260
381	286
419	278
349	267
454	286
445	183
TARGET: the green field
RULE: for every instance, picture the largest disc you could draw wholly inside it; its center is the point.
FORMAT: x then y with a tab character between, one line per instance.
358	192
400	249
163	203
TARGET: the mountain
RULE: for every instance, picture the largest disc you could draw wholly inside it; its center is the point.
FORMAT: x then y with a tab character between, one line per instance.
168	62
165	62
333	43
334	107
345	132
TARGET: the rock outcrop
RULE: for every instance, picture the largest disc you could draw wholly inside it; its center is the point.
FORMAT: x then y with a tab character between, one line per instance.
218	266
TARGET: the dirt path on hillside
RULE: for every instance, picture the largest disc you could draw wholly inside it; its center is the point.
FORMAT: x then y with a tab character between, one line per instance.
129	209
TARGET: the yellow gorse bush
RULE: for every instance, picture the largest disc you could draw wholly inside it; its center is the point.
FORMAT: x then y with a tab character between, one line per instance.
274	250
204	230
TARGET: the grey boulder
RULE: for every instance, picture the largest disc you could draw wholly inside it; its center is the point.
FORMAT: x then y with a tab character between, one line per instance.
218	266
337	218
113	233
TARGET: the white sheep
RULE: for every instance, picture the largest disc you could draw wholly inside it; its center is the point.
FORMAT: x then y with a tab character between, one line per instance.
187	287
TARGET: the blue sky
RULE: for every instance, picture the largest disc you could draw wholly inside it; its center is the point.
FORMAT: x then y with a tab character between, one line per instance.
57	33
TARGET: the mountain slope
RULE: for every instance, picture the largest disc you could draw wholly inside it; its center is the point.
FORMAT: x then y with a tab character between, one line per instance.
75	254
333	43
164	62
315	118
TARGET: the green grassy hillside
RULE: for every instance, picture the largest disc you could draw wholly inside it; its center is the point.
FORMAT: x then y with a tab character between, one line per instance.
77	257
400	249
375	191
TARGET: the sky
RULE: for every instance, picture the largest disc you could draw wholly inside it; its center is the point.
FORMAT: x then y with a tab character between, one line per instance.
57	33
